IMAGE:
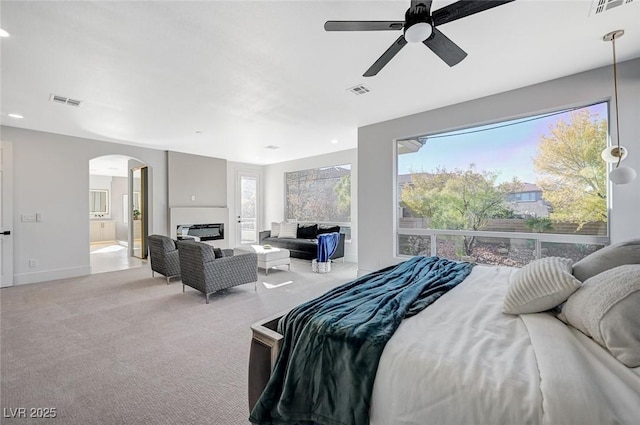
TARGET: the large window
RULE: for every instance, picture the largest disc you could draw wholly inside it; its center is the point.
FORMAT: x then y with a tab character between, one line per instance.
320	195
508	192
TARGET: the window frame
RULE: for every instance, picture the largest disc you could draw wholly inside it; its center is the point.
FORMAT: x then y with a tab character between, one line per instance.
538	238
343	224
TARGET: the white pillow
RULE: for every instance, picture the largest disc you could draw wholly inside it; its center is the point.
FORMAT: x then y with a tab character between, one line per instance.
275	229
607	308
288	230
540	285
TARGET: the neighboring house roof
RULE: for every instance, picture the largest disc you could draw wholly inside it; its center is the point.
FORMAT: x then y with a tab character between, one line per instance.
528	187
324	173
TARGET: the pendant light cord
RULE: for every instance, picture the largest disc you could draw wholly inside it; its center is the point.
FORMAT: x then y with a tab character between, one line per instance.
615	93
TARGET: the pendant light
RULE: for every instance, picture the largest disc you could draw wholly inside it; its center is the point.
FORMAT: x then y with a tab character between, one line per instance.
615	154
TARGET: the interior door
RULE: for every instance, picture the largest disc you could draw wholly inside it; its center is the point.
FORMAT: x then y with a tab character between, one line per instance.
247	207
6	215
139	214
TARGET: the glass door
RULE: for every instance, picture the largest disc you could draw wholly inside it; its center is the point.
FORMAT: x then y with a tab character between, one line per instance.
247	207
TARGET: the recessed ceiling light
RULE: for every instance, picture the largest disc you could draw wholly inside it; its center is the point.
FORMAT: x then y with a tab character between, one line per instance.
272	147
18	116
3	33
334	141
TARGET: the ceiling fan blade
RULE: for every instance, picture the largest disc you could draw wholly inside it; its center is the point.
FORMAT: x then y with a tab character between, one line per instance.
446	49
386	57
363	25
461	9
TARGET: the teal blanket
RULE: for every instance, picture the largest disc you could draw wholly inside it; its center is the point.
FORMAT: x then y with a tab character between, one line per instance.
332	344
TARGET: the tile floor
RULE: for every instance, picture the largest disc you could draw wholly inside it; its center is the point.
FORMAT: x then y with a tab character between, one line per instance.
112	256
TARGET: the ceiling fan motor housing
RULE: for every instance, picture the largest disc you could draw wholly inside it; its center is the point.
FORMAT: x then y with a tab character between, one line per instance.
418	14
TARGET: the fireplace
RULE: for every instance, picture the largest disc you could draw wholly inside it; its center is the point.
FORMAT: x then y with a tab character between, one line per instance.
201	232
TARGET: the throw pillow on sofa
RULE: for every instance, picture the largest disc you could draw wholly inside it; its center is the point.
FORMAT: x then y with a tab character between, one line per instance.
275	229
307	231
288	230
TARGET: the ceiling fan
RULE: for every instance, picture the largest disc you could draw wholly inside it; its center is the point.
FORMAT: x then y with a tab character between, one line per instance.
419	27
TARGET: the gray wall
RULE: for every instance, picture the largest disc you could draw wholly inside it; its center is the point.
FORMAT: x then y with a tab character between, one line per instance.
51	177
202	177
119	187
376	161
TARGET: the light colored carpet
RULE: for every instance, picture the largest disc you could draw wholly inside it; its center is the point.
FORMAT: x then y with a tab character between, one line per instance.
125	348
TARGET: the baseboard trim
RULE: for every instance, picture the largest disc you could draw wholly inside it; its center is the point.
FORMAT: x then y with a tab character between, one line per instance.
47	275
362	272
351	258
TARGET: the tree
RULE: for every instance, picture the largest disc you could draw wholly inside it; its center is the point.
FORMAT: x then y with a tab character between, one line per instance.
458	200
321	194
343	192
572	173
539	224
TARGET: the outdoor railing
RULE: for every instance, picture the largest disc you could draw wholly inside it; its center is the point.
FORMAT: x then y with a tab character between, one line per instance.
494	247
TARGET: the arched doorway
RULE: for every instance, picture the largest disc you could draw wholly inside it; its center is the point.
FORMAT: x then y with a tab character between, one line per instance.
111	213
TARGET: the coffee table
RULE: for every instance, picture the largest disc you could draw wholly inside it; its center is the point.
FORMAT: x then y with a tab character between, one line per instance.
268	258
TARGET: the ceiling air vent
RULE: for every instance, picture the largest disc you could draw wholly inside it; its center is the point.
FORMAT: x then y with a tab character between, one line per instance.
360	89
599	6
65	100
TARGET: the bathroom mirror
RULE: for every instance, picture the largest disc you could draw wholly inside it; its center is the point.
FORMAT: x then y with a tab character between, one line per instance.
98	201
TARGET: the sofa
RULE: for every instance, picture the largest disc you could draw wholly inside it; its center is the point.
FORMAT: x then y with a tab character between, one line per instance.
305	243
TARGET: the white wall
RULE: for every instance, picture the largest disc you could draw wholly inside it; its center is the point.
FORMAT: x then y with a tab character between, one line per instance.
377	162
51	177
275	189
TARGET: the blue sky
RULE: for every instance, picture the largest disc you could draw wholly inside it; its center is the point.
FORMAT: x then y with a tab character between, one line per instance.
509	148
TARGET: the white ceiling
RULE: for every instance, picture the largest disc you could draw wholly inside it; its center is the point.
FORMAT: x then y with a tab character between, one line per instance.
247	75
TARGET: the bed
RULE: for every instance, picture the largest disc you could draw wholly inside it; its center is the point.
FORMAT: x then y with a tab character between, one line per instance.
462	360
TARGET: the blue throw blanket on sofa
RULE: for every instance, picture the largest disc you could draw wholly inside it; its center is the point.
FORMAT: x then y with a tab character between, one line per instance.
327	245
332	344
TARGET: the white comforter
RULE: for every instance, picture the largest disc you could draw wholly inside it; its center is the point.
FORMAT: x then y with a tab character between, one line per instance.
462	361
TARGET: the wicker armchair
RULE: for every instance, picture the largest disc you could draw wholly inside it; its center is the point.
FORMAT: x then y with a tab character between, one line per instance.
201	269
164	256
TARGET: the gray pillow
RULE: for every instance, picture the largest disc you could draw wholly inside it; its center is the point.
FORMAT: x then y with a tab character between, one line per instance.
539	286
607	308
611	256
